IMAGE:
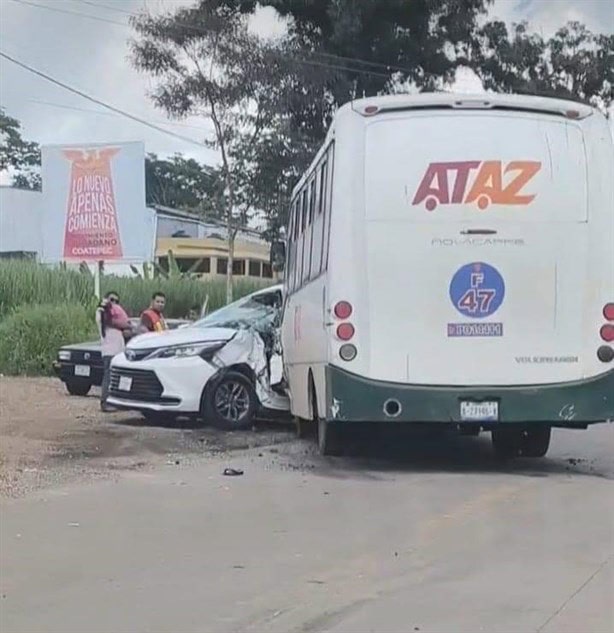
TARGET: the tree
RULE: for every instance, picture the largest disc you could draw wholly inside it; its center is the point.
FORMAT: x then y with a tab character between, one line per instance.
417	41
181	183
574	63
20	157
207	62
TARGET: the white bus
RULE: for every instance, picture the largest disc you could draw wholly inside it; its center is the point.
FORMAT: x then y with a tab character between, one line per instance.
450	261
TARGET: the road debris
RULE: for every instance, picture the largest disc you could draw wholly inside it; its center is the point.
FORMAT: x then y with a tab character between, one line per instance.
232	472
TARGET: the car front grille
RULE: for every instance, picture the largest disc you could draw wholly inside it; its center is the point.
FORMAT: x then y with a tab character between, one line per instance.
145	385
80	357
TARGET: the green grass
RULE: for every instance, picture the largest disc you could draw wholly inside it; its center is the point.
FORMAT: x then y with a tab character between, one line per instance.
28	283
31	336
43	308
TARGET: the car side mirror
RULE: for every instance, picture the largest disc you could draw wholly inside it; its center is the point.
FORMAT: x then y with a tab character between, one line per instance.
278	255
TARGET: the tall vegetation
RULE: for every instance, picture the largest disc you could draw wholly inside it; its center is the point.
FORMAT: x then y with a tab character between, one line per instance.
27	283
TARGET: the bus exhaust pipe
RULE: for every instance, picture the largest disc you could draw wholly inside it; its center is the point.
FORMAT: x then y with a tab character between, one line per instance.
392	408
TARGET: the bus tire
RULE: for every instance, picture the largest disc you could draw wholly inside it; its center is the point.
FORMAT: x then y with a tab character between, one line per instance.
536	442
305	429
329	438
506	442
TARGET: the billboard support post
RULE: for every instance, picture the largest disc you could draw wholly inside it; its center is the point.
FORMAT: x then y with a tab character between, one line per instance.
97	273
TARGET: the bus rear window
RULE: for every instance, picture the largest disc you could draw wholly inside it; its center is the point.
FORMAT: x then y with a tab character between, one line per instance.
459	167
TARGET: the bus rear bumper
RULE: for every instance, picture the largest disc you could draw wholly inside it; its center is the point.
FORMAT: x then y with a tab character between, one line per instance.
351	398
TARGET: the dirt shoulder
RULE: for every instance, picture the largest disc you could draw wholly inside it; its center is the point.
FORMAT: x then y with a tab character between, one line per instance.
48	438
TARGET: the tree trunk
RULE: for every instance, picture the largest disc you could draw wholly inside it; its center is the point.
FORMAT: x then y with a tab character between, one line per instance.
231	259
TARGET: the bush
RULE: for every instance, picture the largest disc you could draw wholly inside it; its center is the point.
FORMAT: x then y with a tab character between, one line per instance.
25	283
31	335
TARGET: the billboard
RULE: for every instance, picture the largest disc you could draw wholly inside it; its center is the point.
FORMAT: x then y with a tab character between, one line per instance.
94	203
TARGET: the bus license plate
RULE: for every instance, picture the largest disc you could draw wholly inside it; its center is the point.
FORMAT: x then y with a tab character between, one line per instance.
125	383
82	370
479	411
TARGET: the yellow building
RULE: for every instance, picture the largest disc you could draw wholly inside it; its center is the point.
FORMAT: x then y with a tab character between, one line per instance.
199	245
208	257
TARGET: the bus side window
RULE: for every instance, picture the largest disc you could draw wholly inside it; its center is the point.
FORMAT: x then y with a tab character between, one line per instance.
295	243
326	212
290	254
302	239
316	236
309	237
330	171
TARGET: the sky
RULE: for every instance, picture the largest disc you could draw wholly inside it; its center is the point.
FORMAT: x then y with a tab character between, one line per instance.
91	54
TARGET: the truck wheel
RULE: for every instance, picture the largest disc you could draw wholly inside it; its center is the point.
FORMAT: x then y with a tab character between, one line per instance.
78	387
535	442
329	438
230	403
506	442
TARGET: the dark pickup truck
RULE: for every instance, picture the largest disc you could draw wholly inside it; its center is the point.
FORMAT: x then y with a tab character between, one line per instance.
79	366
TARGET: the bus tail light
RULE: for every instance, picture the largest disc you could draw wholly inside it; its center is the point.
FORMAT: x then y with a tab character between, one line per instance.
343	310
605	354
607	332
346	331
348	352
608	311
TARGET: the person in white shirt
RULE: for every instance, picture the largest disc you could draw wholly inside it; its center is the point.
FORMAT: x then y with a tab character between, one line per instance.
112	322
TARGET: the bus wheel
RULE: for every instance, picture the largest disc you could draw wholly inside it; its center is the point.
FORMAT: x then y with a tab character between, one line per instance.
506	442
535	442
329	438
305	429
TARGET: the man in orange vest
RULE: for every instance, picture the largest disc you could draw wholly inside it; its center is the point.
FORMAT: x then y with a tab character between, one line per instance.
152	319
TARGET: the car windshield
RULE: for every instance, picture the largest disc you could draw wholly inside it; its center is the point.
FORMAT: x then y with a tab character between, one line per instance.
253	311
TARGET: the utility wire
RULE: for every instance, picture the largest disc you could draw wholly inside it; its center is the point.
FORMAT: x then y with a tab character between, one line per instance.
319	64
108	106
65	106
358	60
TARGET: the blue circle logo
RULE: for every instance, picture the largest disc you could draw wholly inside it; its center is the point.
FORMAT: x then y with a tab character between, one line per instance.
477	290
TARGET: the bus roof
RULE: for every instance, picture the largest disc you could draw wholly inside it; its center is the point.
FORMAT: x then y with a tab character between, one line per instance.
485	101
371	106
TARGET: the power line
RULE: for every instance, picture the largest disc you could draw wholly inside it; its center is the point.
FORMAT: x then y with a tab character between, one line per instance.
358	60
77	109
68	12
318	64
100	5
303	61
119	111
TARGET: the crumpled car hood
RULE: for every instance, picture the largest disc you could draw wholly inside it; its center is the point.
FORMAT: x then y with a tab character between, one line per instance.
180	336
247	347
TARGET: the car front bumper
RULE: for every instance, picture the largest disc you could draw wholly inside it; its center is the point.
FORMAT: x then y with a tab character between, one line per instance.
172	385
65	371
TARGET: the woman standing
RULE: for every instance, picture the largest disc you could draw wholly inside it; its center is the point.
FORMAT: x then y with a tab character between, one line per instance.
112	322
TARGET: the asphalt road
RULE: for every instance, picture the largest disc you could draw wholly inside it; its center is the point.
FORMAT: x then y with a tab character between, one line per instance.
410	535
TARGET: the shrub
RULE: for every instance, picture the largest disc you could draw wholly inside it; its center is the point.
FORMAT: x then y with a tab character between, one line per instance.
31	335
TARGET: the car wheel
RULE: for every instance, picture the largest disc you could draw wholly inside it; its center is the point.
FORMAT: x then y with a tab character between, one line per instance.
231	402
78	387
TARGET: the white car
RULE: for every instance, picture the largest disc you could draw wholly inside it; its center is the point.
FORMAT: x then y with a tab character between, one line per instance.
224	368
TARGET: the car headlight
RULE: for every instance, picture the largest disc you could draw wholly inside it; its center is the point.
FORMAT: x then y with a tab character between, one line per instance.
63	354
204	349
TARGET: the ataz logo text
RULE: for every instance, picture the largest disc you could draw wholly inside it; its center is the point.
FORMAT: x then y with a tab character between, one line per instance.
494	183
